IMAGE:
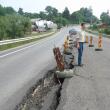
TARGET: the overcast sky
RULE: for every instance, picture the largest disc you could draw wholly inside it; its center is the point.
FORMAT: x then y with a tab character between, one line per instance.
98	6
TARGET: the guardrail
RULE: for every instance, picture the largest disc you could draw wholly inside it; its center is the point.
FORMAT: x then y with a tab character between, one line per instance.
4	42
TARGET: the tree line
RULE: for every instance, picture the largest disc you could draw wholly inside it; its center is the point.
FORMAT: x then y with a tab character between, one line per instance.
64	18
103	25
14	24
105	17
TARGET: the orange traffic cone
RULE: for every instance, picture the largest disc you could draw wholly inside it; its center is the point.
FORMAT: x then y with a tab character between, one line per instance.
99	43
86	39
66	44
91	42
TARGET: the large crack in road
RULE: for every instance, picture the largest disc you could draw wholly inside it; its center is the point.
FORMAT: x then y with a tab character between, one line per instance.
44	95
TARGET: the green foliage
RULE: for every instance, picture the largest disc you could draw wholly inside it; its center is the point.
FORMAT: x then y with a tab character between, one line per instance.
107	31
2	11
51	13
64	21
66	13
60	21
77	17
9	10
31	15
42	15
20	11
16	24
13	26
87	14
83	15
6	10
105	18
94	27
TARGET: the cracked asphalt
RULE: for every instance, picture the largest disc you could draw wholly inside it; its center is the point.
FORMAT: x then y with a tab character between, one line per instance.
89	88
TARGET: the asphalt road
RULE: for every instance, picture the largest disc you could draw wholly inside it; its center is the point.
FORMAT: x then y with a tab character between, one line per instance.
89	89
21	67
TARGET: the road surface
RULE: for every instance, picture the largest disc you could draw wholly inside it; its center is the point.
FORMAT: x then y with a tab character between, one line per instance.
89	89
21	67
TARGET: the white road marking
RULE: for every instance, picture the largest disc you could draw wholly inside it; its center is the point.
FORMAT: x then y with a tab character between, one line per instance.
2	56
17	51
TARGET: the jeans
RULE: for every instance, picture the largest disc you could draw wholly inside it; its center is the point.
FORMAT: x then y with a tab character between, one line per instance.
80	52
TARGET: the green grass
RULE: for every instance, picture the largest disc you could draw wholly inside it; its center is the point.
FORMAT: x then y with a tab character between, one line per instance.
12	45
97	33
37	33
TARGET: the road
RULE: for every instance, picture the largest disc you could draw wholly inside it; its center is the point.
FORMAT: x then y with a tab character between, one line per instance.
21	67
89	89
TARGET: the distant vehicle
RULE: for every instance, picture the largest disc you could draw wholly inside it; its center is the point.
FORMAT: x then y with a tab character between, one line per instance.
73	32
40	29
42	25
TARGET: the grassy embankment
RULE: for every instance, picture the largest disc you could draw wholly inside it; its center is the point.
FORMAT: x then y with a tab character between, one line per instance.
12	45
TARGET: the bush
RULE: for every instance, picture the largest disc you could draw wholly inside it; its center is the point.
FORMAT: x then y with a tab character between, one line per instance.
94	27
14	26
107	31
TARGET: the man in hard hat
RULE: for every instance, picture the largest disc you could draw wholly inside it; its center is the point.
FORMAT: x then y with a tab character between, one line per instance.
80	43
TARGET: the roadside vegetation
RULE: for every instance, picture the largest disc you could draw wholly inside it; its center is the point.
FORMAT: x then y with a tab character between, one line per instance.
102	26
12	24
16	44
17	24
64	18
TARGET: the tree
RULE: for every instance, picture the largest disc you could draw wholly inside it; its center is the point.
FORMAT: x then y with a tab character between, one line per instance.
2	11
94	19
77	17
105	18
6	10
31	15
42	15
61	21
14	26
55	12
20	11
9	10
51	12
66	13
83	15
87	14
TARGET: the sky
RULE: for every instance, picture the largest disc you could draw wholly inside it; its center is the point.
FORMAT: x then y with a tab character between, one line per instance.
98	6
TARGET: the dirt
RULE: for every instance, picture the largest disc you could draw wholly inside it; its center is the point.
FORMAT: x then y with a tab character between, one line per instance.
44	95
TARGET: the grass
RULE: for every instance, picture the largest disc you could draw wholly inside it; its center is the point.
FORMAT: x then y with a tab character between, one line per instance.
97	33
37	33
12	45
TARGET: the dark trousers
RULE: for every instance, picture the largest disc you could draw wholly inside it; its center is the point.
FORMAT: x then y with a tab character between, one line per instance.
80	52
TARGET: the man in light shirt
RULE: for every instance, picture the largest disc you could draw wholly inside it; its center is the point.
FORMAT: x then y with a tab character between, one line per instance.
80	43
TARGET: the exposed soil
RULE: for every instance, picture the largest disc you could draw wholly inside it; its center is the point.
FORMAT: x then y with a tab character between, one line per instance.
44	95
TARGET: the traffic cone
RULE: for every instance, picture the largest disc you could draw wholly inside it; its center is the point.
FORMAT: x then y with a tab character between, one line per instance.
66	43
91	42
86	39
99	43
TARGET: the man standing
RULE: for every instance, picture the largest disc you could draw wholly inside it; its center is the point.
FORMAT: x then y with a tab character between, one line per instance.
80	43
